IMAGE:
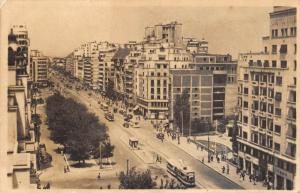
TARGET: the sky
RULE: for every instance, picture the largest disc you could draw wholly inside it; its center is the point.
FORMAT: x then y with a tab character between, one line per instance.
58	27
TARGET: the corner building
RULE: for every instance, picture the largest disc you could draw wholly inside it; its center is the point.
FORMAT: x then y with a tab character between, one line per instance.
267	104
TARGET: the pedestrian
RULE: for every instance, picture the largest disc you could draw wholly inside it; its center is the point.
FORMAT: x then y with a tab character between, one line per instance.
223	169
254	180
202	159
99	176
65	171
243	176
48	185
250	177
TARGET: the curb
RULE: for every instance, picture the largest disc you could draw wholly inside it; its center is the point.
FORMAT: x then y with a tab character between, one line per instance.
210	167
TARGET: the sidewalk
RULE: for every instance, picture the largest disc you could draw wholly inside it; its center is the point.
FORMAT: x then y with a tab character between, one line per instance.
191	149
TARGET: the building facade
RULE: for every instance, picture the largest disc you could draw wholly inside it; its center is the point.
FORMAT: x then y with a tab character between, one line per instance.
267	103
39	65
21	145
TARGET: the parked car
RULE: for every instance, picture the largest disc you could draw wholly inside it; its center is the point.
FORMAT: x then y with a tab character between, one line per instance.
134	124
160	136
109	116
129	116
126	124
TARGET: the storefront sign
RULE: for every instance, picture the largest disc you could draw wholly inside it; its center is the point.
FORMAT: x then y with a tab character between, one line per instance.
283	173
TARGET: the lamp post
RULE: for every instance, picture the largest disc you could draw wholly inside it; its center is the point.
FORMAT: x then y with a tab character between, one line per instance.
100	155
208	153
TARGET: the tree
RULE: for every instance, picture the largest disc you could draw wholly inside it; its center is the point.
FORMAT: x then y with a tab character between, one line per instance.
182	110
201	125
106	150
136	180
110	92
74	127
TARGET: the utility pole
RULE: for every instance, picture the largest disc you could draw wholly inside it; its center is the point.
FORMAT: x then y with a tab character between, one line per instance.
100	156
127	166
208	153
181	122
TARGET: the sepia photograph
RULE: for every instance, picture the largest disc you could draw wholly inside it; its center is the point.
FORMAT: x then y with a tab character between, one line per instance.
149	95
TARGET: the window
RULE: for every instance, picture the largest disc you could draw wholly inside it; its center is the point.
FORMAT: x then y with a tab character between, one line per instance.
165	83
283	49
245	119
278	96
278	80
274	49
158	82
266	49
274	63
152	83
277	111
295	48
295	65
158	65
245	135
277	146
152	90
245	104
246	76
245	90
277	129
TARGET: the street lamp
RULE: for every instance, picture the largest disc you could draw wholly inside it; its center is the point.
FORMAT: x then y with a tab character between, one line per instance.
100	156
208	153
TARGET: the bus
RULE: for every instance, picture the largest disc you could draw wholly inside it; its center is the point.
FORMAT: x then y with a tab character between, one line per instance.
181	172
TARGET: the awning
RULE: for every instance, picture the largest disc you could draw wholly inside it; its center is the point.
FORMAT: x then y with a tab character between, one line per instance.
136	108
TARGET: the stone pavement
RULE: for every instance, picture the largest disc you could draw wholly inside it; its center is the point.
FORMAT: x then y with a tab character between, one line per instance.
192	149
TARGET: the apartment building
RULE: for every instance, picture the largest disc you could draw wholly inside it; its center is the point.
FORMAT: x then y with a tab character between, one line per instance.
39	65
165	33
267	103
196	46
70	67
218	62
122	80
21	145
106	69
199	86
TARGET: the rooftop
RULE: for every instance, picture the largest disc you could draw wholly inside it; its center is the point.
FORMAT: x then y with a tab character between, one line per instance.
121	53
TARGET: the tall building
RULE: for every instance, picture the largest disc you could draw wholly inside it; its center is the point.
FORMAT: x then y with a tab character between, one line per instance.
267	103
122	82
210	80
223	63
39	68
21	145
165	33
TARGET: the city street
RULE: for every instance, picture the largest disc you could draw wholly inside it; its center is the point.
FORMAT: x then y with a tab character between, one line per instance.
205	177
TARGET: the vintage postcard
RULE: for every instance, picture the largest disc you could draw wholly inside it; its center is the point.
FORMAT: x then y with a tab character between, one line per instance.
165	95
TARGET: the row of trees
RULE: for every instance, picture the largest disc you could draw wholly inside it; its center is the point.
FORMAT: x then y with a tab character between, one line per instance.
134	179
78	130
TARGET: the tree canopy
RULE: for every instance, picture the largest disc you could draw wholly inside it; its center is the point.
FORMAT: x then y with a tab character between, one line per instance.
182	111
73	126
136	180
